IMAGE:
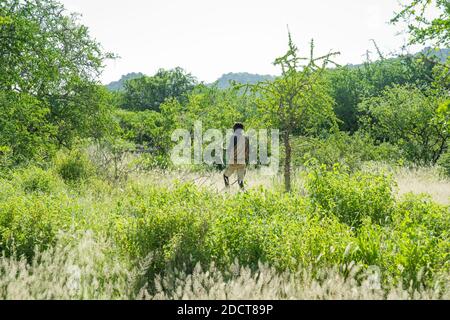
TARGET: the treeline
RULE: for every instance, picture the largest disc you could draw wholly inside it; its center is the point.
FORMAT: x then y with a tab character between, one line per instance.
394	109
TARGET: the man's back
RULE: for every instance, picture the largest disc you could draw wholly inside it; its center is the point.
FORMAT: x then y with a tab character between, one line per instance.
238	149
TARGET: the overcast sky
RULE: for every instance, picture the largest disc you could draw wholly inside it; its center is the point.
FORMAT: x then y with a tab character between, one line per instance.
209	38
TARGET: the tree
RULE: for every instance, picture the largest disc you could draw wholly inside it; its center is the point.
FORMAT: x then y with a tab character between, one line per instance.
351	84
148	93
421	26
49	67
24	128
298	101
407	117
424	28
145	129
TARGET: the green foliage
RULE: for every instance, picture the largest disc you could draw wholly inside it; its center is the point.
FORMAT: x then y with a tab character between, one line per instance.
148	162
148	93
351	196
351	84
405	116
24	129
31	221
349	150
146	129
444	163
48	70
35	179
74	166
178	226
420	27
413	246
214	107
6	159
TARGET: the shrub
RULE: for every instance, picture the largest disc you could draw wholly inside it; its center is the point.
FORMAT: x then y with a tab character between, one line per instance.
408	118
170	224
6	159
185	225
351	196
444	163
30	221
413	248
343	148
148	162
35	179
74	166
275	228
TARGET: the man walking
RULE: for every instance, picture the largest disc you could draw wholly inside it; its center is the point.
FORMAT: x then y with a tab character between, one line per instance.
238	152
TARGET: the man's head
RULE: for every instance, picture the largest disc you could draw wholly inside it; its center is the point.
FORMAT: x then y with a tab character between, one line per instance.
238	126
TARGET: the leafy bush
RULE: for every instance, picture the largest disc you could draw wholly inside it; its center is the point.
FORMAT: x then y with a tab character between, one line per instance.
349	150
149	162
169	224
74	166
412	247
409	118
30	221
184	226
275	228
351	196
444	163
6	159
35	179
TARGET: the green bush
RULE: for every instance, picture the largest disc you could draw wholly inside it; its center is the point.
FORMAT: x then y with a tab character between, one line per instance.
351	196
444	163
413	248
6	159
409	118
183	226
30	221
276	228
149	162
74	166
343	148
169	224
35	179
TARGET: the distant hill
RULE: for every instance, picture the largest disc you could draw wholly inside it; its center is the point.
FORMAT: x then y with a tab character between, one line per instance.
119	85
223	82
242	77
441	54
248	78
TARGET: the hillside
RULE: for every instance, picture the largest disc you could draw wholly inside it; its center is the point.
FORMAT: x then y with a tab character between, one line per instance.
118	85
249	78
223	82
242	77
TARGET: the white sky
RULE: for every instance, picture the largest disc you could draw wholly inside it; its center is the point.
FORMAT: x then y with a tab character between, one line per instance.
209	37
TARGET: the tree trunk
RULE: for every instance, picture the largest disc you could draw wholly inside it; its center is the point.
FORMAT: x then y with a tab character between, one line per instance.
287	162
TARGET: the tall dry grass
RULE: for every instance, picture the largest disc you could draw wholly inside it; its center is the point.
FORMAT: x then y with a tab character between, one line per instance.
84	269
